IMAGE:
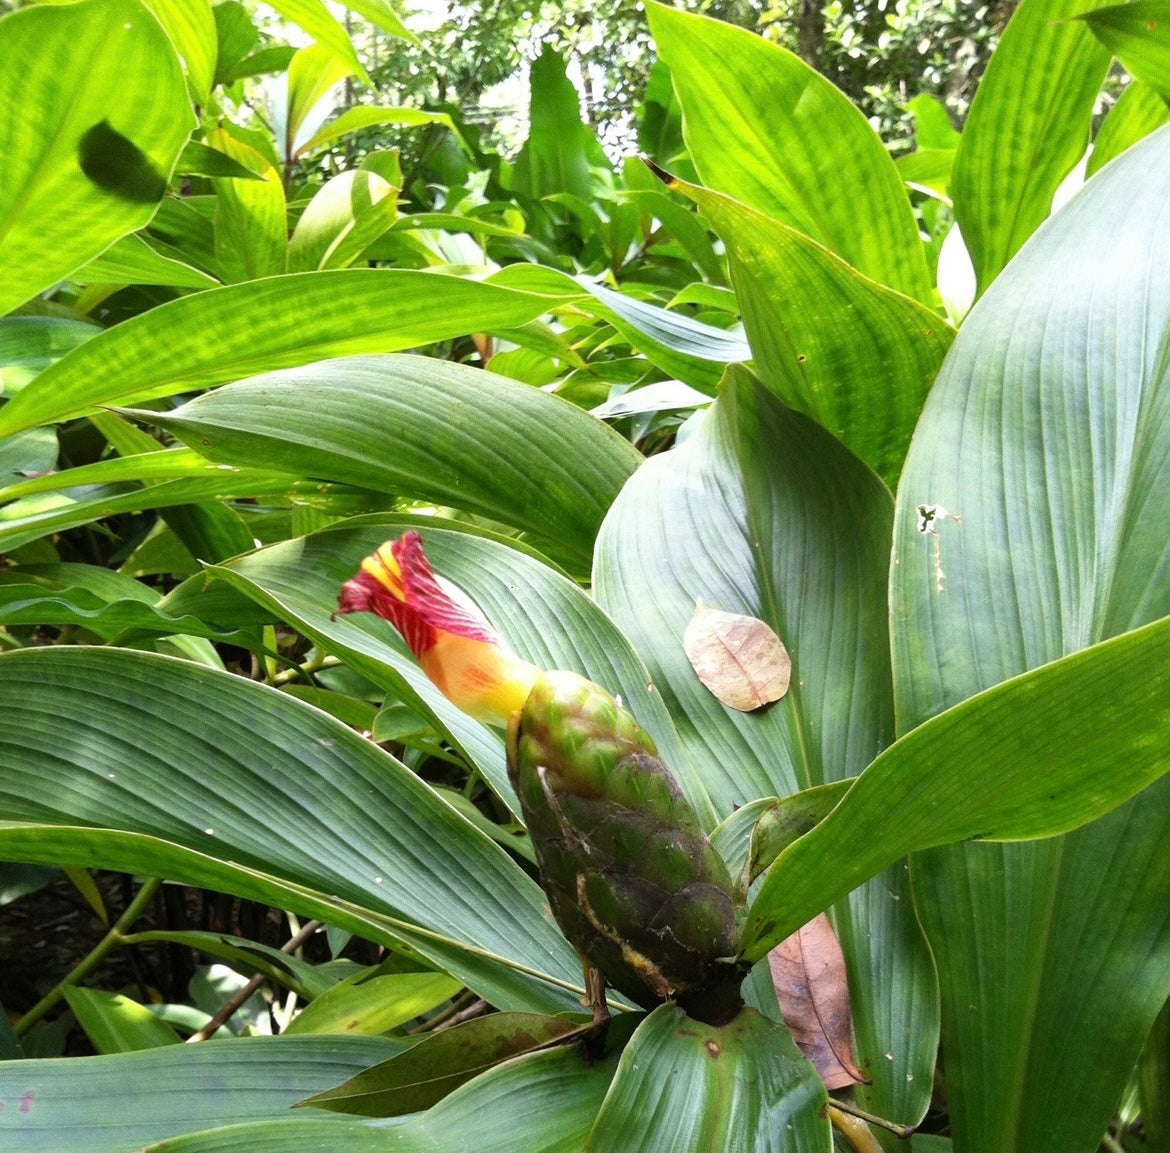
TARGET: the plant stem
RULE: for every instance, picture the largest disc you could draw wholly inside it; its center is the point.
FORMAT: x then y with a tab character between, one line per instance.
903	1131
112	939
232	1005
1112	1146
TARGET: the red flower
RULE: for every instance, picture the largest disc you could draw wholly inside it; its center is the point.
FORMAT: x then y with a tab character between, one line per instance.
452	643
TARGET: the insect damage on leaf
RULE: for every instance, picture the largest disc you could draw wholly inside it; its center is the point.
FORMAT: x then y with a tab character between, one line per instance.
739	658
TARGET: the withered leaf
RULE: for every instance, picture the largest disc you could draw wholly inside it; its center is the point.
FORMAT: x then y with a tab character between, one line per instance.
808	974
739	658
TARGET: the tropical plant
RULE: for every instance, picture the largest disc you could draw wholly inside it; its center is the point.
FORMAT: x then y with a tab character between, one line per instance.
212	414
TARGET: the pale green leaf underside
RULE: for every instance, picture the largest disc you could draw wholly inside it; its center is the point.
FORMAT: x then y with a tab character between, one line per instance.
218	765
119	1104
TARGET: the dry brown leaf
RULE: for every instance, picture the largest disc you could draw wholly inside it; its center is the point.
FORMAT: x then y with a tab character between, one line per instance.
808	974
739	658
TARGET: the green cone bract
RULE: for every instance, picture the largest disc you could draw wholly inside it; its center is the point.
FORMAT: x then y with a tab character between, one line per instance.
633	881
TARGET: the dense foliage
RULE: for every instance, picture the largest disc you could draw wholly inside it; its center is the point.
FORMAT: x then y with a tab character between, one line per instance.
244	340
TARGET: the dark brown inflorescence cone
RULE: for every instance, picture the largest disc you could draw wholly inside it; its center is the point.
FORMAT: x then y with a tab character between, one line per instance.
633	881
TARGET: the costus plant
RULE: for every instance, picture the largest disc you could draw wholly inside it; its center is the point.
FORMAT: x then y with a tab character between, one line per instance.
632	879
908	799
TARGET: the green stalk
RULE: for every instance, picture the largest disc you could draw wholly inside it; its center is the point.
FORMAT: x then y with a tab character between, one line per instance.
112	939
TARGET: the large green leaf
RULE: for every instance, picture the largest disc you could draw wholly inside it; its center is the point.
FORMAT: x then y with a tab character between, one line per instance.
1138	111
707	1089
671	340
1139	35
1028	126
412	1081
373	116
93	115
1047	442
251	232
543	1103
273	323
115	1023
1034	757
316	19
748	516
560	148
213	765
119	1104
856	357
31	518
97	599
191	28
765	128
422	428
132	261
545	617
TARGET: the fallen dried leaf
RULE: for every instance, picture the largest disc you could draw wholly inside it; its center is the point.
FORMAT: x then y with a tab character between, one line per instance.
808	974
739	658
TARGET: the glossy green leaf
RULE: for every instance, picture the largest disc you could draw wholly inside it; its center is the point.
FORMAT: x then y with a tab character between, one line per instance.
543	616
303	99
1138	111
119	1104
684	1085
819	330
423	428
766	129
316	19
374	1004
373	116
132	261
117	1024
191	28
333	214
1138	34
275	323
440	1063
272	785
1028	126
30	343
1046	440
70	71
773	522
148	467
201	160
1033	757
250	225
684	347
